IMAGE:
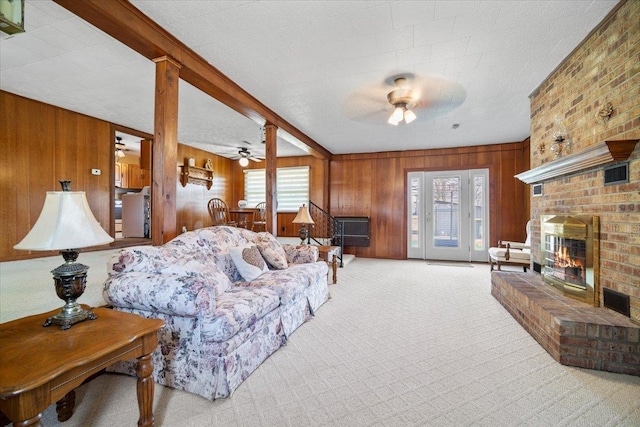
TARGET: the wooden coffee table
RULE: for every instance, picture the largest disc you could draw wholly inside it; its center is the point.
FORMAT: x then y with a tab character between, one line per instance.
41	365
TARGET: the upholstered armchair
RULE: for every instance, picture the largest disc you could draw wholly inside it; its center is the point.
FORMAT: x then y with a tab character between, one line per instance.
513	253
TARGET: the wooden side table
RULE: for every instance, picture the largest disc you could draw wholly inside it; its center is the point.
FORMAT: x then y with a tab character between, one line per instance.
41	365
330	255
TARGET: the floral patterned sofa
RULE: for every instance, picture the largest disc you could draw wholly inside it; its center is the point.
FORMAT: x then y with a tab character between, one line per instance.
219	326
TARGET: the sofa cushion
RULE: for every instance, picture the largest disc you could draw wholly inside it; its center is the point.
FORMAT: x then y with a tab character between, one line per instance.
300	254
248	261
177	295
271	250
289	284
218	240
172	258
237	309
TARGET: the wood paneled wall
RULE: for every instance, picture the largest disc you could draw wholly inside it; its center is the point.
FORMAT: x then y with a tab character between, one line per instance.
374	185
318	183
191	201
40	145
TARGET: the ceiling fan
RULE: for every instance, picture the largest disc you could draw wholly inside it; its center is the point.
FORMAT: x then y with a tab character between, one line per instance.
120	147
244	155
404	96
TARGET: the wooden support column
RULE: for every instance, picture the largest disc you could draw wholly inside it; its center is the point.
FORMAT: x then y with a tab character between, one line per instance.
326	185
165	151
271	158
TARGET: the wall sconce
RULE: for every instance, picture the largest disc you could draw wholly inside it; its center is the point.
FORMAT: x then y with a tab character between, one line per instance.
604	114
303	218
560	141
541	148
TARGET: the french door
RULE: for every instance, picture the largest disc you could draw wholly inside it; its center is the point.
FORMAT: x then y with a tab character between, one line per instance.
448	215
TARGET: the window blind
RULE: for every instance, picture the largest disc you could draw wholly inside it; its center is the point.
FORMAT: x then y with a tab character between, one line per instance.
292	186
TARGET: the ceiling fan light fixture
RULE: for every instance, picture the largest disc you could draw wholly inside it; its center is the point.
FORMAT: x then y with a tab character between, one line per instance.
119	153
396	116
244	162
409	116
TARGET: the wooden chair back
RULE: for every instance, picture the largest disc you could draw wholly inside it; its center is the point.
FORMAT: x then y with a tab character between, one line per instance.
259	219
219	212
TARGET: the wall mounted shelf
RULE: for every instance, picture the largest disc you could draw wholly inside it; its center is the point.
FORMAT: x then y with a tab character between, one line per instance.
598	155
195	175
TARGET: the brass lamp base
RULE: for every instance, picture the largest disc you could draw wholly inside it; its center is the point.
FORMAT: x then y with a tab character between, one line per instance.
303	233
70	281
69	316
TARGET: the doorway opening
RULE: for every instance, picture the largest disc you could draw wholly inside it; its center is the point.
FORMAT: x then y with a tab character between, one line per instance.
448	215
132	186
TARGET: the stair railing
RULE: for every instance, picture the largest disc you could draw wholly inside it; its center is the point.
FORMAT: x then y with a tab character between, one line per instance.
326	230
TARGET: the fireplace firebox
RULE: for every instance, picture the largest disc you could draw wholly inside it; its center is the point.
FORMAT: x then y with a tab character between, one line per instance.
571	256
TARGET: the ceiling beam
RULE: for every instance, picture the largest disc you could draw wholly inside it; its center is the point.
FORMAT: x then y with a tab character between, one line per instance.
127	24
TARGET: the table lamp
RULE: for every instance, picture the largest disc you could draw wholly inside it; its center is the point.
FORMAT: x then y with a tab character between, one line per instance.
303	217
66	223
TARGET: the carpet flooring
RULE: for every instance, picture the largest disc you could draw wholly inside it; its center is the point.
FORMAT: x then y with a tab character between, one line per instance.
400	343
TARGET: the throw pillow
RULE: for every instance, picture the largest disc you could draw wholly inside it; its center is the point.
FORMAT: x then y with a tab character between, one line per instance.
272	251
248	261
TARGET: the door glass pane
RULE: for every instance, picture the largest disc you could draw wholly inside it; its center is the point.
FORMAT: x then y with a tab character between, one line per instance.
446	209
478	213
414	222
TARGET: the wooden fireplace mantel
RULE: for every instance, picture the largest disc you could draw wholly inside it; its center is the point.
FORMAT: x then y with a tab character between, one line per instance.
598	155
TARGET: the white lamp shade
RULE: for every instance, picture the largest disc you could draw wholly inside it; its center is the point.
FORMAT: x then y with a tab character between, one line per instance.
396	116
66	222
243	161
409	116
303	216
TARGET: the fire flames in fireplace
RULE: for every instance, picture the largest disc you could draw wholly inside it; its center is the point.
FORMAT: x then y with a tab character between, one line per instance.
567	268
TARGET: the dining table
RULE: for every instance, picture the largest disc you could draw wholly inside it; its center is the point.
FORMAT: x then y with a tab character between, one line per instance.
243	216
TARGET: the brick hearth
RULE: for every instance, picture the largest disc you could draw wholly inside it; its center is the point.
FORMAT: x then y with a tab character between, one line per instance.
573	332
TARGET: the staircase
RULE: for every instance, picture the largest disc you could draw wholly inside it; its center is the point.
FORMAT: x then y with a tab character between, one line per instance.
326	230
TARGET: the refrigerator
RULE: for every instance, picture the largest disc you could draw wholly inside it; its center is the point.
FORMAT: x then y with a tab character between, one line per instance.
136	215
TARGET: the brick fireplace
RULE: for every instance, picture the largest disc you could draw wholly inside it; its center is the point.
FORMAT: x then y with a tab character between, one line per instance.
593	100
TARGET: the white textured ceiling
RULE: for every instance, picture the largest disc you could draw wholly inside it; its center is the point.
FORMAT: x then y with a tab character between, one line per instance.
324	66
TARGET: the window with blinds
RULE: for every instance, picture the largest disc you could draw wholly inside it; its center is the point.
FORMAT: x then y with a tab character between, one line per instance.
292	186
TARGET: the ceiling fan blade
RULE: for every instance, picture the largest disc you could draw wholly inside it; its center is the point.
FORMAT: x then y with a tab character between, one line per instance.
255	159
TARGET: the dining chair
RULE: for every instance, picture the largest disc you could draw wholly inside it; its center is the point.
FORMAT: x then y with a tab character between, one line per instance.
259	219
219	212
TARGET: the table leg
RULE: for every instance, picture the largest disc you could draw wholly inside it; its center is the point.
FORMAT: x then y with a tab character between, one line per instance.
144	387
334	266
64	406
35	422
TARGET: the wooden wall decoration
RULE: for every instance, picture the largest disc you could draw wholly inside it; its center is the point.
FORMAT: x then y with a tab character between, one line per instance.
191	200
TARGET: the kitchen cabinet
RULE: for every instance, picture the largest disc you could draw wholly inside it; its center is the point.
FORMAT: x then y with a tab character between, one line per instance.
129	175
138	177
122	175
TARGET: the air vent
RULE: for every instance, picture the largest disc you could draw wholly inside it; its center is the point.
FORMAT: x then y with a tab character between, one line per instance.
617	301
618	174
537	190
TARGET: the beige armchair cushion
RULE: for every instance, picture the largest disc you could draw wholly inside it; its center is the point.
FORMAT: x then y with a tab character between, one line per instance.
507	252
